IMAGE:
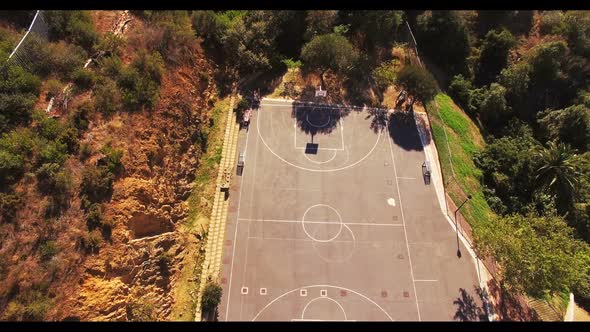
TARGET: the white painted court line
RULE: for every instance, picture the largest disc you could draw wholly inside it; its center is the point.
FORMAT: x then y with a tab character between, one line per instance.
404	225
323	285
311	169
321	320
405	178
233	255
251	203
425	280
320	222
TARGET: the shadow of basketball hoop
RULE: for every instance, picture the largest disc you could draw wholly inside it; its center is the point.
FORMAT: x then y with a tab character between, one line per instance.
311	148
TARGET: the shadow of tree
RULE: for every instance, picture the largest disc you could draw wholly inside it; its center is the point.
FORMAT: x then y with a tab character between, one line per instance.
378	119
423	127
403	131
468	309
315	120
511	307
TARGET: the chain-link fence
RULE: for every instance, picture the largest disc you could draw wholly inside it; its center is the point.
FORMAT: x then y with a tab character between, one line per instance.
38	31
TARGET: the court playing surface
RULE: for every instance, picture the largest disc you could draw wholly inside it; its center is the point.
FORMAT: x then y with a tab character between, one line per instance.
331	219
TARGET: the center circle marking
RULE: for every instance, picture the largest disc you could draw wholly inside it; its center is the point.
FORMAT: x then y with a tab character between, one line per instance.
320	240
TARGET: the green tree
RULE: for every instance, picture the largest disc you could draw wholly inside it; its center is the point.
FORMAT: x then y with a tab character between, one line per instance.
537	255
18	94
319	22
377	28
443	36
494	110
558	173
460	89
494	55
329	52
570	125
75	26
384	75
211	296
107	97
418	82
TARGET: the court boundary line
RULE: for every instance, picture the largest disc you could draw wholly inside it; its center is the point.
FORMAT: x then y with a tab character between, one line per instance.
295	127
235	234
310	169
319	222
324	285
404	225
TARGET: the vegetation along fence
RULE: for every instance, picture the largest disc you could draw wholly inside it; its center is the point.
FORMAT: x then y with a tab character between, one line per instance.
38	30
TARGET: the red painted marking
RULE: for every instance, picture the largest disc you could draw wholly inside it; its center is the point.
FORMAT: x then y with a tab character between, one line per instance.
383	293
228	242
223	281
232	209
406	294
226	261
342	292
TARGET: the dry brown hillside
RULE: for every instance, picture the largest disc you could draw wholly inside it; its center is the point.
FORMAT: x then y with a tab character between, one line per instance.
133	274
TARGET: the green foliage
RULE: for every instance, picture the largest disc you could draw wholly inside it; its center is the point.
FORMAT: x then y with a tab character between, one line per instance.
418	82
90	241
140	82
84	79
494	55
112	159
460	89
9	206
319	22
379	28
385	74
48	249
570	125
94	217
537	254
142	310
552	22
111	67
107	98
97	184
75	26
329	51
211	296
85	151
64	59
559	173
109	44
79	117
444	38
15	147
508	167
18	94
54	88
493	109
53	179
53	152
292	64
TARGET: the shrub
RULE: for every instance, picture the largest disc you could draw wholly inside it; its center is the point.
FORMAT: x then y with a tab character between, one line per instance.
79	116
291	64
90	241
107	97
53	152
84	79
11	167
64	59
85	151
94	216
48	249
112	159
97	183
211	296
74	26
109	44
9	205
54	88
111	66
384	75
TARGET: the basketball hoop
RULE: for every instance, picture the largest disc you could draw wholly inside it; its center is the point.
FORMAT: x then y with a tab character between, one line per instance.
320	92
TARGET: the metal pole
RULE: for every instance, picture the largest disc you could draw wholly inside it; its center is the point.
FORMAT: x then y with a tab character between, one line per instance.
457	227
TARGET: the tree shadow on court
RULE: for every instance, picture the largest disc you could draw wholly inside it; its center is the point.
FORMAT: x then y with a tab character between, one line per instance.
469	310
509	306
379	119
314	120
403	131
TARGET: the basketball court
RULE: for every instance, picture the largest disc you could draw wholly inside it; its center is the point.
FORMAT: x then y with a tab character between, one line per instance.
332	220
